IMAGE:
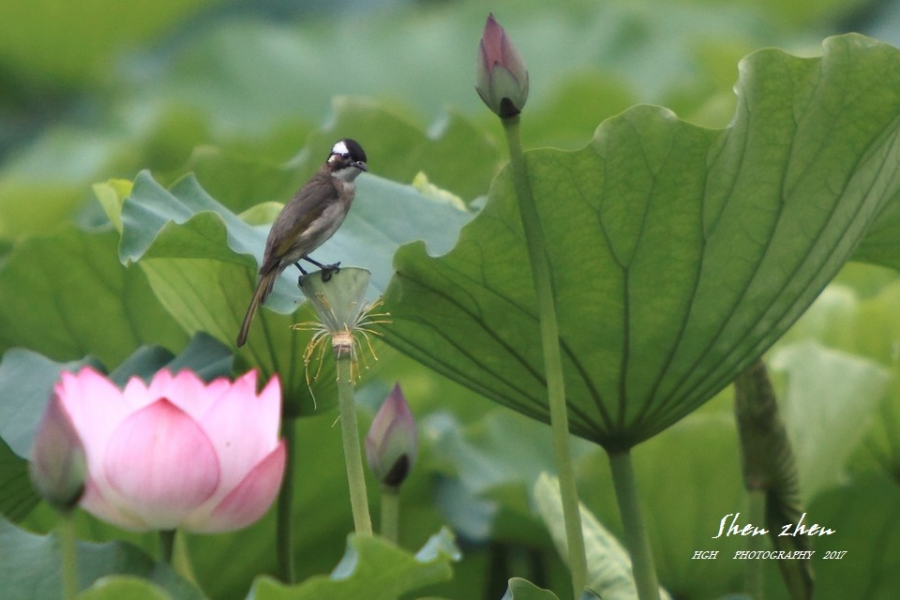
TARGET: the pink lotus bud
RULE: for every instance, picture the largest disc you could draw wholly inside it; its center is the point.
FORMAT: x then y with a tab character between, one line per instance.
502	76
179	453
392	443
58	467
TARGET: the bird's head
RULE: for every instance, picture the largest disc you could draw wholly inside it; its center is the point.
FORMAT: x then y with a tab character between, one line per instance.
347	160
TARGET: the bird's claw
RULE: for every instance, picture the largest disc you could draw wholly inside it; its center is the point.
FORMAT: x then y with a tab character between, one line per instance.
329	270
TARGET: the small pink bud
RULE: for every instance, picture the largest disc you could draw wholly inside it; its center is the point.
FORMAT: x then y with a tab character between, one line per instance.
502	76
58	466
392	443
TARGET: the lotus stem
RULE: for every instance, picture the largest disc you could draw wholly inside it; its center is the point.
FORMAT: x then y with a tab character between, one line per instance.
633	522
285	520
166	545
359	503
754	575
559	416
390	513
65	531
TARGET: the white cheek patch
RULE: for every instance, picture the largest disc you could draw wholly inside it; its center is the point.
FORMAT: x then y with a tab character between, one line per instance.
340	148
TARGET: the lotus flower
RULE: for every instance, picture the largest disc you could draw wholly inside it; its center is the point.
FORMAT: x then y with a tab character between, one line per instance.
502	78
392	443
179	453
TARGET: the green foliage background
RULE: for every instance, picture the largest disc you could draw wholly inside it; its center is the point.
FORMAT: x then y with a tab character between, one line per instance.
248	97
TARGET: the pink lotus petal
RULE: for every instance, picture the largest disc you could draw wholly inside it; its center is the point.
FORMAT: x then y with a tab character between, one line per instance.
243	427
270	407
96	408
96	502
186	390
137	395
160	383
162	463
248	501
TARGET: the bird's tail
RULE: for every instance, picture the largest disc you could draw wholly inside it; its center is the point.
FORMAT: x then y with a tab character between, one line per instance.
263	289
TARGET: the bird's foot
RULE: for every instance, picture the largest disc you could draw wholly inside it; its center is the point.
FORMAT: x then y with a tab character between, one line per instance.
329	270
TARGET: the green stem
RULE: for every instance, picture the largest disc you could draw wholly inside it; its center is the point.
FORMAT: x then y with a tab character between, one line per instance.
181	559
633	523
65	531
754	576
284	532
166	545
559	416
390	513
359	503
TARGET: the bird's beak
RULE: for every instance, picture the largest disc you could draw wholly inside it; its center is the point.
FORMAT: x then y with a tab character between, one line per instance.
361	165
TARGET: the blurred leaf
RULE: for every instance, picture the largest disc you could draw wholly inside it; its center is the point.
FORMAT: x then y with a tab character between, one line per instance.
609	566
372	568
30	566
680	254
65	295
205	356
493	452
250	75
27	379
52	173
68	43
123	588
521	589
859	328
569	118
17	496
865	515
241	181
828	406
879	330
490	467
814	12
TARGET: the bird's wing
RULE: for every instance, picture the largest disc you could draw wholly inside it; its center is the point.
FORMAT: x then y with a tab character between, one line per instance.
304	208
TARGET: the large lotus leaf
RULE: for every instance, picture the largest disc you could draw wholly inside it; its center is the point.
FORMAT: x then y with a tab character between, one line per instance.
65	295
679	254
371	568
30	566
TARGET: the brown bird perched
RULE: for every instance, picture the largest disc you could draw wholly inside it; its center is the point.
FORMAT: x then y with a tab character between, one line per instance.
306	222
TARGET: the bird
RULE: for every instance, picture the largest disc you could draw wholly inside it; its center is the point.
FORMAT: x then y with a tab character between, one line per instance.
307	221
